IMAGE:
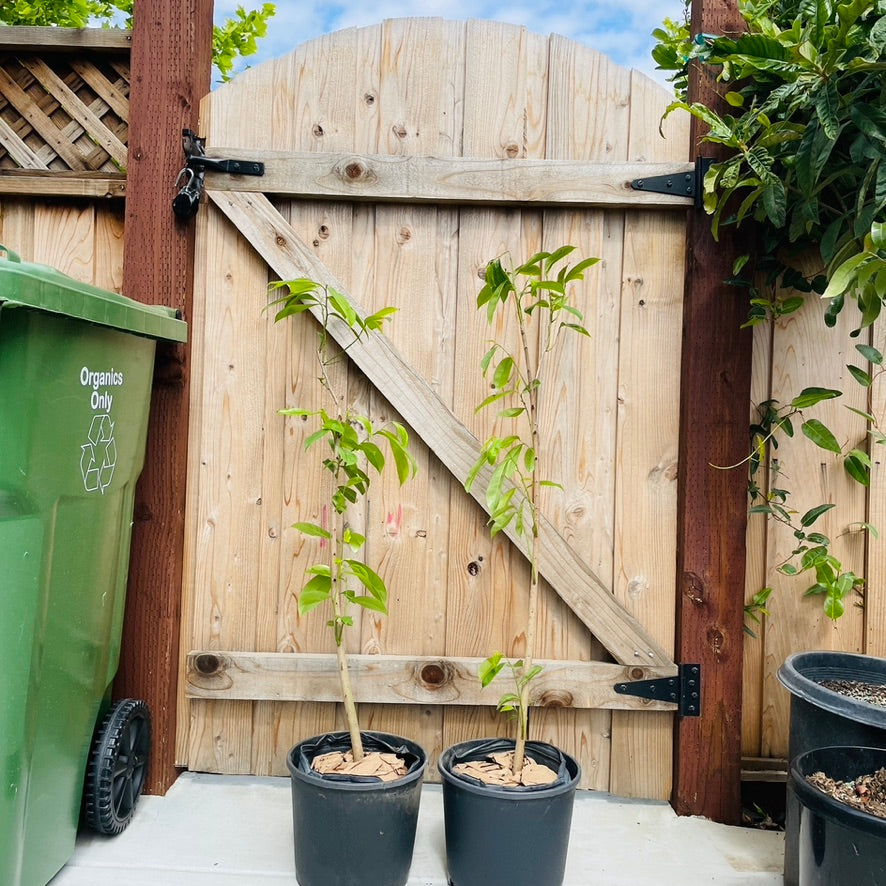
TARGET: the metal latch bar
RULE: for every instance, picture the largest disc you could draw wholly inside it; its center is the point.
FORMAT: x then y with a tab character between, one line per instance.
684	689
191	178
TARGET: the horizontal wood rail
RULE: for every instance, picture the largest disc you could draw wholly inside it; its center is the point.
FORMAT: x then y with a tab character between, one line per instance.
398	679
42	40
459	180
33	183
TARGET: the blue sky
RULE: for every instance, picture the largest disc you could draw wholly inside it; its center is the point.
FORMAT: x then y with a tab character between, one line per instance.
619	28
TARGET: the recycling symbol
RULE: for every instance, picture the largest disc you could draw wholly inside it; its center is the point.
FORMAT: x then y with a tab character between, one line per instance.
99	456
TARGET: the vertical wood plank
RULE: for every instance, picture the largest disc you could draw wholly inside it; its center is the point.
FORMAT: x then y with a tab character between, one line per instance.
712	504
810	353
589	119
17	226
410	259
322	116
875	573
504	116
648	396
757	576
170	61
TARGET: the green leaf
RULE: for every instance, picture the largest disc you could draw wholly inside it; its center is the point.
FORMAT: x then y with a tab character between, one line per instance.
862	377
353	539
503	372
858	465
373	454
870	353
369	578
814	513
841	279
368	603
820	435
311	529
490	668
811	396
315	592
827	105
775	202
833	606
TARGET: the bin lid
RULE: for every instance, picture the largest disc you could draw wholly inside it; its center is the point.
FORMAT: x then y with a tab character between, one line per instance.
23	284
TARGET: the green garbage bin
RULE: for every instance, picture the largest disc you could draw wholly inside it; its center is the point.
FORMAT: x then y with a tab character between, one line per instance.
76	364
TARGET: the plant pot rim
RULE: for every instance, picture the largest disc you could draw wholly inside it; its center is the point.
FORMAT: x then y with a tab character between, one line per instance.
823	804
362	786
801	672
444	766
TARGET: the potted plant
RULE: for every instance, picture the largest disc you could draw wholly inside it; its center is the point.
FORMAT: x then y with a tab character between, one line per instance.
356	789
840	841
496	792
824	715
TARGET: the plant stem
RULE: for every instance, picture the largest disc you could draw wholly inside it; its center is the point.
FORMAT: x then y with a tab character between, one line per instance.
532	414
343	672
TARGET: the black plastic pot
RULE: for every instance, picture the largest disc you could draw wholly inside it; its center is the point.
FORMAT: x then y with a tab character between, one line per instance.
837	845
354	833
821	718
502	836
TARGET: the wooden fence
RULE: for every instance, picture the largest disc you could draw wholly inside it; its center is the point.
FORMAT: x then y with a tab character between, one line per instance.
57	170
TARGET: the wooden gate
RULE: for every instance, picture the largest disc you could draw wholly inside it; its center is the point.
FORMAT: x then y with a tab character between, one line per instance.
400	159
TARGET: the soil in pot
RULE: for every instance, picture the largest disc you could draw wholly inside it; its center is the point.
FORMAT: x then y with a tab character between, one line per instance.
866	792
872	693
353	828
837	844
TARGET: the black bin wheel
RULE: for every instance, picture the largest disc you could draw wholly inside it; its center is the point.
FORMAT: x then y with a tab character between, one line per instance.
118	765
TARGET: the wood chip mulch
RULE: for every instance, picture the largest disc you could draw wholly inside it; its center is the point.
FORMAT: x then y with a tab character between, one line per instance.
867	792
385	767
498	770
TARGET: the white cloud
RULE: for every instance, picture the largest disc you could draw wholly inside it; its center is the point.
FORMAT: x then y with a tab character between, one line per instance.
619	28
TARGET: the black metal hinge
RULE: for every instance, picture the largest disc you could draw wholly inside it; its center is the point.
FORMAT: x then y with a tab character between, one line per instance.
684	689
187	201
682	184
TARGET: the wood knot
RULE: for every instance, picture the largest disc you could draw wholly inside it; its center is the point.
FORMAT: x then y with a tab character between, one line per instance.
434	675
556	698
399	130
473	568
323	232
693	588
369	98
207	663
404	235
317	130
280	240
512	151
355	170
637	673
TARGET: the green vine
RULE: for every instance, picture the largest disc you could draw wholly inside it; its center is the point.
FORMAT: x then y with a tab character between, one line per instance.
807	169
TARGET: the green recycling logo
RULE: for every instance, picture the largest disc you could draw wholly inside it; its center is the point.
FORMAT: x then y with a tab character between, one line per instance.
99	456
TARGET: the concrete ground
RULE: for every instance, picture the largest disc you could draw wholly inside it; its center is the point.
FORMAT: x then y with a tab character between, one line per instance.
212	830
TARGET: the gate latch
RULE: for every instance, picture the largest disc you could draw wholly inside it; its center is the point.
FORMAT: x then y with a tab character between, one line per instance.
191	179
684	690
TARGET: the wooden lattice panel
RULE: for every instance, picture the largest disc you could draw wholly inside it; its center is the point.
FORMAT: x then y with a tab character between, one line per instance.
63	112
